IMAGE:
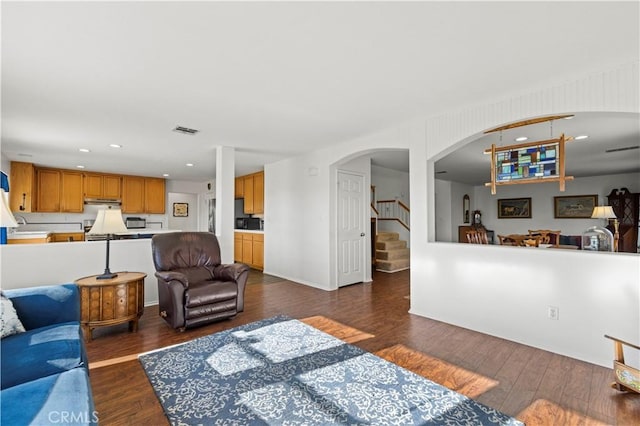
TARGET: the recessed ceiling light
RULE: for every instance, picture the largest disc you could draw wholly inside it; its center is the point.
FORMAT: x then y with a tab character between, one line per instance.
189	164
569	117
581	137
115	145
165	174
79	167
84	150
521	139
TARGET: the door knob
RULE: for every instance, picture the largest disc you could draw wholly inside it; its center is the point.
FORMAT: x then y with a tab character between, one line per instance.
362	234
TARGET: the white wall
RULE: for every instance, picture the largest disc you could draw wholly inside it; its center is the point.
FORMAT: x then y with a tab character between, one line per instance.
542	204
390	184
26	265
505	291
300	208
444	203
188	223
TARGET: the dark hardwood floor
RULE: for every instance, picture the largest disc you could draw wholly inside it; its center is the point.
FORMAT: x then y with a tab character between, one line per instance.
535	386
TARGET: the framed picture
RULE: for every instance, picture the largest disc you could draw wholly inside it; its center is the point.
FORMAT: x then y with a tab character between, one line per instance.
574	206
180	209
514	208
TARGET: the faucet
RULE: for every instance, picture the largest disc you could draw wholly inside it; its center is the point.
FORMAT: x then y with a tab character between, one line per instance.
20	220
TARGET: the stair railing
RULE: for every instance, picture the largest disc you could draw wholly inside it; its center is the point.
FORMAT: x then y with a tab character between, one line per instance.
394	210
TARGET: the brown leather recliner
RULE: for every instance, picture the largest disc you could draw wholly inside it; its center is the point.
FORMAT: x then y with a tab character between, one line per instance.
194	288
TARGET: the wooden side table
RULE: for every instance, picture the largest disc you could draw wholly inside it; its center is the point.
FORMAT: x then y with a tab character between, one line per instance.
110	302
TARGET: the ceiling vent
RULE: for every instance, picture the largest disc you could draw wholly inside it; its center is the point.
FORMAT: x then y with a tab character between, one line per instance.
628	148
185	130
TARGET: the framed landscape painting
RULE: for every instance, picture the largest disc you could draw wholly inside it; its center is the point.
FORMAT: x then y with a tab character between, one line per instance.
514	208
574	206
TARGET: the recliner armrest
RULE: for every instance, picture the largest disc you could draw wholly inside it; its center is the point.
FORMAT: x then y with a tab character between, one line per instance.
229	272
173	276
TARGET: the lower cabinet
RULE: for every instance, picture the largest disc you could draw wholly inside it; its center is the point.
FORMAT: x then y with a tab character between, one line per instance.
65	237
249	249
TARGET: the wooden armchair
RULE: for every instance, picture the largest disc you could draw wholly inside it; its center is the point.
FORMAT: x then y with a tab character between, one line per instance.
627	378
477	236
546	236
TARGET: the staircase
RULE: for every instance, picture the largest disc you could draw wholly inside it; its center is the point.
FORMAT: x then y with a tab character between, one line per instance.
392	254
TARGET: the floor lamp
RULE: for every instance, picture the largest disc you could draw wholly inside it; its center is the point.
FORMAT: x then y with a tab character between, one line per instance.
108	221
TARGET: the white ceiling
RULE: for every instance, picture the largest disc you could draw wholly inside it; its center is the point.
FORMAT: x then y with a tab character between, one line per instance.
272	79
586	157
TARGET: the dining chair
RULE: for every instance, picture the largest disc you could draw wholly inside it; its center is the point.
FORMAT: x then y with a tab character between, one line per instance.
478	236
546	236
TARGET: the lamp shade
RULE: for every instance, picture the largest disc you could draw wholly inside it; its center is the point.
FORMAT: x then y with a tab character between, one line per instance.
603	212
108	221
6	217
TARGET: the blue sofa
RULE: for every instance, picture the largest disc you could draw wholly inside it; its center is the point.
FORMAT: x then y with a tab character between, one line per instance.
45	376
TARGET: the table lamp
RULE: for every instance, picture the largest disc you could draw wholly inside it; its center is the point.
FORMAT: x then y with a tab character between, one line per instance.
108	221
6	217
606	213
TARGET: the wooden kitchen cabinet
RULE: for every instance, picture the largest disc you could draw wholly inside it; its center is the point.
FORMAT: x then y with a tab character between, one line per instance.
132	194
71	194
258	251
237	247
258	193
248	194
64	237
58	191
47	190
98	185
249	249
22	190
154	195
239	187
253	193
143	195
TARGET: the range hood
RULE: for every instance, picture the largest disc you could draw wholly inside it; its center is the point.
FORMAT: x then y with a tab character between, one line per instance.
102	201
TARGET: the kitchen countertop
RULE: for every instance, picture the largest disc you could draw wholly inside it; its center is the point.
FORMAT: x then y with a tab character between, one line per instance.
25	235
147	231
250	231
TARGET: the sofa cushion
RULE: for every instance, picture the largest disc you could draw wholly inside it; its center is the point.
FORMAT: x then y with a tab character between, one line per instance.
41	352
63	398
9	322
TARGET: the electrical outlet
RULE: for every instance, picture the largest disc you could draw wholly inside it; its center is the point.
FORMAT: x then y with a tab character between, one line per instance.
553	312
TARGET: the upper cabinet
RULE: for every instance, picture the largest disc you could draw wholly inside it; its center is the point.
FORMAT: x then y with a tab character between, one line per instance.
154	199
22	189
258	193
71	197
253	192
239	190
143	195
59	191
48	190
98	185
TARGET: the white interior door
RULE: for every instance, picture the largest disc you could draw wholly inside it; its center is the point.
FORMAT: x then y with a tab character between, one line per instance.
351	228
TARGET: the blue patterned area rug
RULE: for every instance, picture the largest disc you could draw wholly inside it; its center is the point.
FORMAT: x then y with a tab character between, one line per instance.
280	371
